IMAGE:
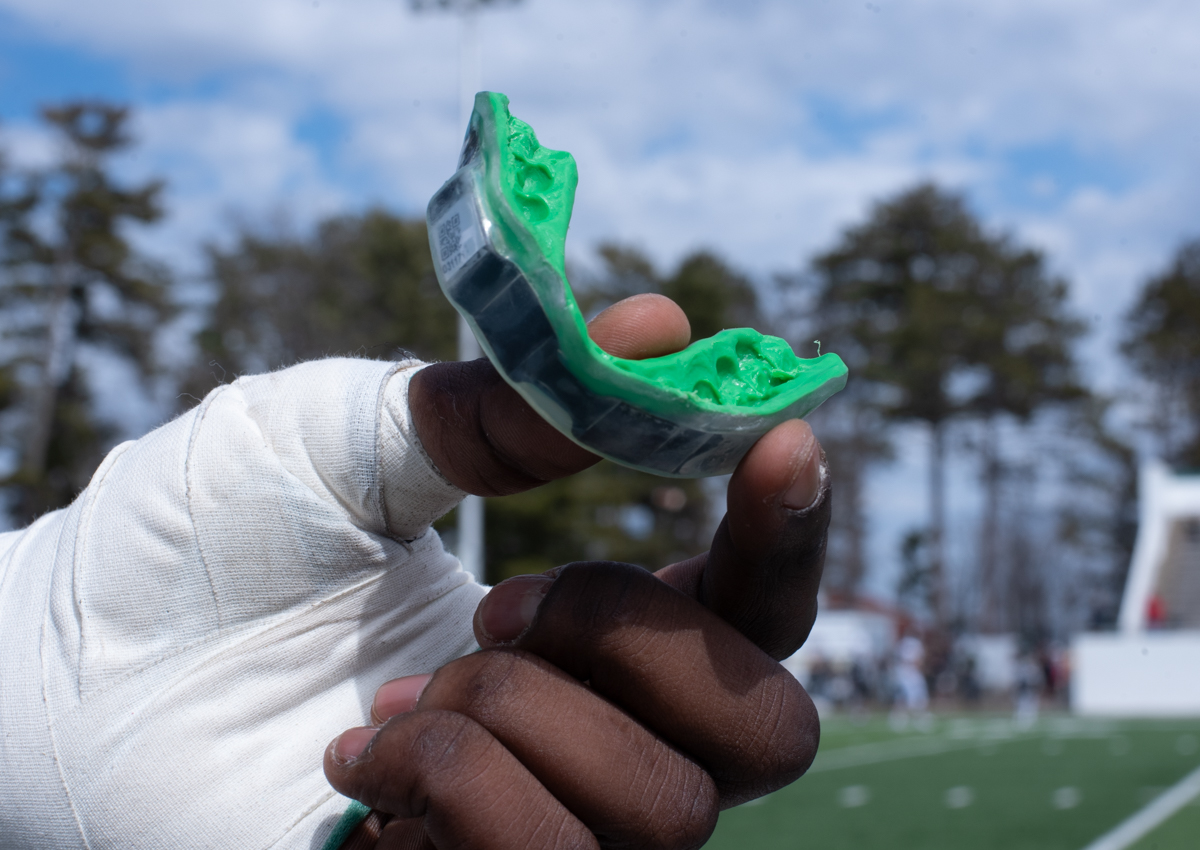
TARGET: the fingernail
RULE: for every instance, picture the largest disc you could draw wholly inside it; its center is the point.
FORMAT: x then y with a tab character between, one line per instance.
398	696
350	744
510	606
806	484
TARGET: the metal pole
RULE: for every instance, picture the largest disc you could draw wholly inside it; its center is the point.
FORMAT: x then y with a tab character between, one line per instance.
470	511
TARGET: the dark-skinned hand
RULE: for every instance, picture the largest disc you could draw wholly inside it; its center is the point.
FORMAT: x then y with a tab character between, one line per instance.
609	707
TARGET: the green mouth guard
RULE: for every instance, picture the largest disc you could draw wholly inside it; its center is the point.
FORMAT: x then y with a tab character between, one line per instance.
497	229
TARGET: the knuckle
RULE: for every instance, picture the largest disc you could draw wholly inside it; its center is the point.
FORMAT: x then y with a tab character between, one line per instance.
494	688
559	831
603	615
426	753
470	684
702	815
683	812
442	742
670	803
797	731
781	738
604	595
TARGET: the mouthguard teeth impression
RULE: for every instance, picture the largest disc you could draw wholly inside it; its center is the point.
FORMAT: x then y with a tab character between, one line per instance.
497	229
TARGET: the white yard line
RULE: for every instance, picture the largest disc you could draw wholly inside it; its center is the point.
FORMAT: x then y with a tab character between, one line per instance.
843	757
981	734
1145	820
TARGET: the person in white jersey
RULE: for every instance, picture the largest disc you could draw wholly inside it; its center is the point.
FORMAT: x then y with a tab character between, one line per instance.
258	578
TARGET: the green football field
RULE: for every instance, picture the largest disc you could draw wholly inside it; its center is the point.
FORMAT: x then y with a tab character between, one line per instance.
982	783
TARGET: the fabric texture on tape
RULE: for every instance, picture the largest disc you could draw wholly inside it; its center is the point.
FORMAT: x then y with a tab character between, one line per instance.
179	645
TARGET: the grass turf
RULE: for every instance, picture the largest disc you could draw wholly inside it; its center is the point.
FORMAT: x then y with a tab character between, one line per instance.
974	782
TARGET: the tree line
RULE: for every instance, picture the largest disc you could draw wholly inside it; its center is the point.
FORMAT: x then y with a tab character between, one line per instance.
960	341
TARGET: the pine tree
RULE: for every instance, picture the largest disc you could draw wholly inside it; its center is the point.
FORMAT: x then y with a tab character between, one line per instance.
74	289
942	321
1162	341
358	285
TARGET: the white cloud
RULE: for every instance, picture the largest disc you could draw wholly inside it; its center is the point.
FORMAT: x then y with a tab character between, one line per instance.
689	118
28	147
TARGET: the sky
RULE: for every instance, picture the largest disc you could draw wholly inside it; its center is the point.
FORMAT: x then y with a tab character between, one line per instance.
758	128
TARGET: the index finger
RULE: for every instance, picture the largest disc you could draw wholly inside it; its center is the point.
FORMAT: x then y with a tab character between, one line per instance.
486	440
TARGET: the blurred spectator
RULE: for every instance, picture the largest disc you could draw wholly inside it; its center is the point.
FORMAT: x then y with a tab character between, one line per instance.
1030	681
912	692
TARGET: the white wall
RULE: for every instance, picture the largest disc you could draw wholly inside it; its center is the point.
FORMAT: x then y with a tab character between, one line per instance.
995	660
1163	497
841	637
1146	674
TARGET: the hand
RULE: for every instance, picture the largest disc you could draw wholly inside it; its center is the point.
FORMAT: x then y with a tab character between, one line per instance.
683	711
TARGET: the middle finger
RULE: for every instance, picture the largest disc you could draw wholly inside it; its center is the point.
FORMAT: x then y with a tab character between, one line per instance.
629	787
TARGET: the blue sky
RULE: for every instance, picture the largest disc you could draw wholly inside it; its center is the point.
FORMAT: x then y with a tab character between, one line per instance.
758	128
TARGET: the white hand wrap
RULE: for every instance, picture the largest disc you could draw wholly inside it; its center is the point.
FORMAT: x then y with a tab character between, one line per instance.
179	645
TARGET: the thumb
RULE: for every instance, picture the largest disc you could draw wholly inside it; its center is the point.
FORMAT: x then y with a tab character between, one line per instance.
764	568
